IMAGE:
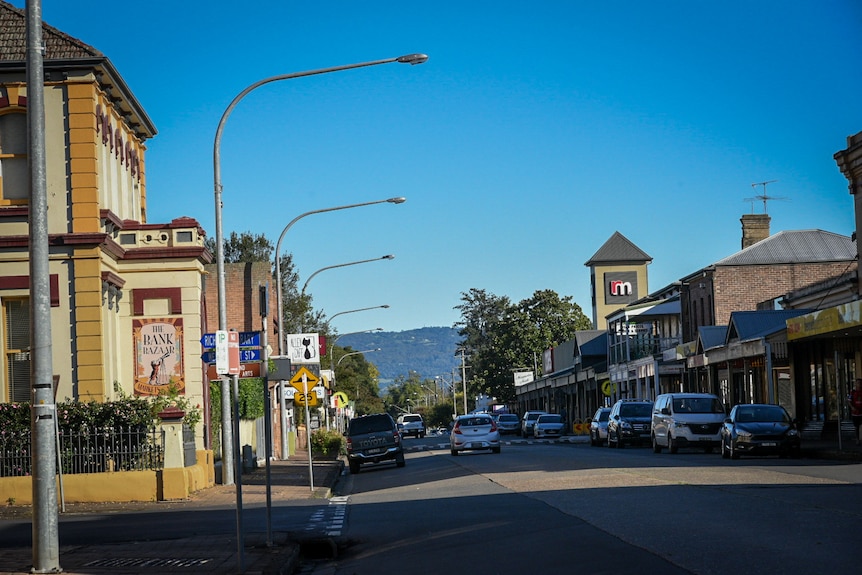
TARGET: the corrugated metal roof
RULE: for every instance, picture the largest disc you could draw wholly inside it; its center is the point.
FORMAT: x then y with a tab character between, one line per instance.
711	336
592	342
618	249
796	246
747	325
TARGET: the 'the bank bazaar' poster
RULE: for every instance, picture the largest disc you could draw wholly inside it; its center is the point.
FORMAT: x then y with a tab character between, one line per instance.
158	356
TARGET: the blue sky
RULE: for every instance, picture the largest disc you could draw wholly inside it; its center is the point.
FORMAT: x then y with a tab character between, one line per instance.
533	133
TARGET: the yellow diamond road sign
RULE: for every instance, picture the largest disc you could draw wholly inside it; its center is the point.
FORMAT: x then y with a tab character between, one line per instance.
310	379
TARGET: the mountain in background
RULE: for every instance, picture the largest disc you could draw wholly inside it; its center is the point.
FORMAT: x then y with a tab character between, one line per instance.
429	351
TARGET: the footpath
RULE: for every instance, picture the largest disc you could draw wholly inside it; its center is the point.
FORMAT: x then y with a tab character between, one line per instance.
214	555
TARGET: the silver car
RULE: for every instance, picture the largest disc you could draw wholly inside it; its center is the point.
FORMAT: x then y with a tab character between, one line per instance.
508	423
474	431
599	426
548	425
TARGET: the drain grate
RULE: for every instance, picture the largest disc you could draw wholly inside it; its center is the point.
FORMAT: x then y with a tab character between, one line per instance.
147	562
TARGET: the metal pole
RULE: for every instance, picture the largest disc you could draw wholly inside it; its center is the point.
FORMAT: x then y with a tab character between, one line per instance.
308	431
46	549
464	380
267	414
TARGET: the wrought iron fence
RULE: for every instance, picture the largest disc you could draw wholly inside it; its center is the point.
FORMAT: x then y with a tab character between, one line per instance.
96	451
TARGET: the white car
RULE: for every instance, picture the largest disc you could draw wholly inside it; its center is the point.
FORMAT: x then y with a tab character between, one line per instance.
411	424
474	431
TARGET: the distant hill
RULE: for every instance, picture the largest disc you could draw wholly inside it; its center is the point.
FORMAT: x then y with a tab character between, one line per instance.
429	351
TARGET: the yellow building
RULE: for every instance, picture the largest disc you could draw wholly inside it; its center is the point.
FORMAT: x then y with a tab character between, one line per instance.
126	294
618	277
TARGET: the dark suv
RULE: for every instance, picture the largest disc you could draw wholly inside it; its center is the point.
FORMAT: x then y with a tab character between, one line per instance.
629	422
372	439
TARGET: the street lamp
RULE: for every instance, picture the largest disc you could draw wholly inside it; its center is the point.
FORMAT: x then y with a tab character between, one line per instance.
227	433
278	287
305	285
354	353
384	306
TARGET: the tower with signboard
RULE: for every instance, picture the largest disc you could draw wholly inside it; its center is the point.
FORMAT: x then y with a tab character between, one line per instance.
618	276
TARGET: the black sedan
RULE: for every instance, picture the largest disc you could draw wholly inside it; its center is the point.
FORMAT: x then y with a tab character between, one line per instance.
759	429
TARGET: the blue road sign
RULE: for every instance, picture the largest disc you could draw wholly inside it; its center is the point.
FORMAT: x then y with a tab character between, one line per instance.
245	356
249	339
246	339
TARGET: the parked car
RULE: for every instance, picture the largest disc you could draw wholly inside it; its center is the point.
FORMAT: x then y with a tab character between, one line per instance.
528	421
411	424
474	431
687	420
372	439
508	423
629	422
759	429
599	426
548	425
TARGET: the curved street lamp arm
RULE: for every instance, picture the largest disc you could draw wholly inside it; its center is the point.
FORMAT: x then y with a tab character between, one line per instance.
305	285
354	353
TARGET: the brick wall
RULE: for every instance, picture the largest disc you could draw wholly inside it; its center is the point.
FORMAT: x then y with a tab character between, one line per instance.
241	296
741	288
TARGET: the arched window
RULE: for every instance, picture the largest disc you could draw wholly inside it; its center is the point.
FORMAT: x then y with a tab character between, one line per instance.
14	173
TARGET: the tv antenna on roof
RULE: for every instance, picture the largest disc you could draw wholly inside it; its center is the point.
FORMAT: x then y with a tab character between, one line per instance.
762	197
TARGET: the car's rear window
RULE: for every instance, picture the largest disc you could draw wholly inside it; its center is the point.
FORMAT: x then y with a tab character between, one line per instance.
604	415
508	417
369	424
412	418
473	421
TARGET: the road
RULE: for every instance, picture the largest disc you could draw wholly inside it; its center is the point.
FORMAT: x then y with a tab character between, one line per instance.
546	507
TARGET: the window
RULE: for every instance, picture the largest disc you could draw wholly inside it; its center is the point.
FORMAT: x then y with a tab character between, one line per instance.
16	345
14	172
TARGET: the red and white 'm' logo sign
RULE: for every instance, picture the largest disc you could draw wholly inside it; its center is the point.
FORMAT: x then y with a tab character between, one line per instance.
620	288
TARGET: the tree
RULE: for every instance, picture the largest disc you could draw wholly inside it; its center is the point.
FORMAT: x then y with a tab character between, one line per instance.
358	379
501	337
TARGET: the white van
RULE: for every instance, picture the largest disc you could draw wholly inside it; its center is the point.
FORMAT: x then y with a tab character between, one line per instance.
686	420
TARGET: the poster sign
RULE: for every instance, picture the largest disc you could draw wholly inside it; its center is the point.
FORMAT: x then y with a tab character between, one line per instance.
158	347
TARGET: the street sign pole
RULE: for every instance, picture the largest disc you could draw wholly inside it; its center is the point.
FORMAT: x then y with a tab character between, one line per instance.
308	430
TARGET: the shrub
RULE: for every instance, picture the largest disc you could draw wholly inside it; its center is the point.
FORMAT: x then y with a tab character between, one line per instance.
327	443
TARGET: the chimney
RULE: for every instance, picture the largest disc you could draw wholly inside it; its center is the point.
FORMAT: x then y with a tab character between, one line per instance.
755	227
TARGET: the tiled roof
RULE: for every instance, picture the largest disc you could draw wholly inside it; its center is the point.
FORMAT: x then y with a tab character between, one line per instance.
797	246
58	46
619	249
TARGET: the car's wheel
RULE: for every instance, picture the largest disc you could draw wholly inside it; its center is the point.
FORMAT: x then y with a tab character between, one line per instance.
594	441
620	442
734	454
495	450
656	448
795	452
671	444
399	461
354	467
724	453
453	451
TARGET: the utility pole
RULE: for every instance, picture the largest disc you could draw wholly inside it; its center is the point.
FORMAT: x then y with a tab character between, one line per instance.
43	412
464	378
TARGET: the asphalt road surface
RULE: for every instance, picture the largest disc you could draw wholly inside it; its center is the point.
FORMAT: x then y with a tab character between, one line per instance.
553	508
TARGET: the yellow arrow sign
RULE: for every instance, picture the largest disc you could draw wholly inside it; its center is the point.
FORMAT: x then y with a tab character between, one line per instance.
608	388
339	399
310	379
